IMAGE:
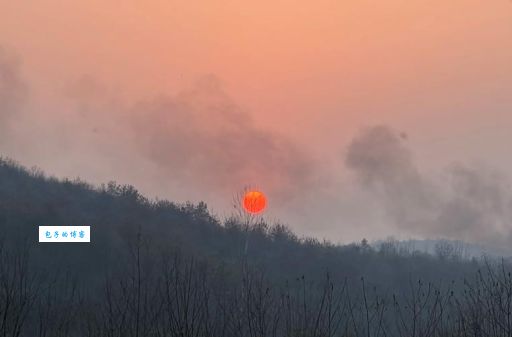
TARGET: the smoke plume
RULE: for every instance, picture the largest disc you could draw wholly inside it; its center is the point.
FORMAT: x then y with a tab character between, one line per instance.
472	204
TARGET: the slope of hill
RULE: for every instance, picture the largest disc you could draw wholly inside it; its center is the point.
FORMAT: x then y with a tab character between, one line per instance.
117	214
156	268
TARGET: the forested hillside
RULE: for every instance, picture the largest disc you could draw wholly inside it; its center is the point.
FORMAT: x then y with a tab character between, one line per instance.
156	268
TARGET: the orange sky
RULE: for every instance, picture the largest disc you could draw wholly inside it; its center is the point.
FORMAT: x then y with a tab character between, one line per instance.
315	71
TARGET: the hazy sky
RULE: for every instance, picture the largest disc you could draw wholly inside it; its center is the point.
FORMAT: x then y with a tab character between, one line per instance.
195	99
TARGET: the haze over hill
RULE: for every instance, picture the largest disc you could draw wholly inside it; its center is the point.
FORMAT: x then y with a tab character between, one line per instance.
169	145
194	102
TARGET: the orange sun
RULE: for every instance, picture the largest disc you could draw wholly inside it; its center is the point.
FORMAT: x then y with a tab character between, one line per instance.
254	202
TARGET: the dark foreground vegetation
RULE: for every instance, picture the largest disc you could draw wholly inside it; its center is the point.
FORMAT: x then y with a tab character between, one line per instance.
155	268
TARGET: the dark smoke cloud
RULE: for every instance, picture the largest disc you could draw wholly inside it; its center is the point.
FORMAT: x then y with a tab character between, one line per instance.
196	144
472	204
202	138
